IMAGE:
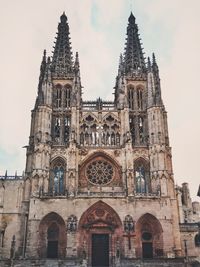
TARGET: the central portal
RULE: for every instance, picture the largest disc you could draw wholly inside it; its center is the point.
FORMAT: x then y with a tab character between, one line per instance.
100	250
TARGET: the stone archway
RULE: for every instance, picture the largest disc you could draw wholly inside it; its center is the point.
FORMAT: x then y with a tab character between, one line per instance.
149	237
52	237
100	224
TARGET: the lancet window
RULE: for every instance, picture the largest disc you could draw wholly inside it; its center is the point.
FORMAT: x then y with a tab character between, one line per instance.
58	96
67	92
141	129
131	97
105	133
67	122
57	177
139	98
141	177
57	129
61	129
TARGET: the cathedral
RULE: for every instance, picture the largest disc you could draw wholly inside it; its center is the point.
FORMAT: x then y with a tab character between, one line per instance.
98	187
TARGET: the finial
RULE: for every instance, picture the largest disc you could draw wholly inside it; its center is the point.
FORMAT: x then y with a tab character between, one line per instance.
76	63
149	64
153	58
44	56
63	17
131	18
77	60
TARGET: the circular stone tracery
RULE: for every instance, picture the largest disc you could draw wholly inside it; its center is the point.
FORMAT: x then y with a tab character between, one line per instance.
99	172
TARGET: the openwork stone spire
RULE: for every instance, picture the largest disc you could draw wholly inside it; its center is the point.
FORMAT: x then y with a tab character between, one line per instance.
155	70
62	63
134	61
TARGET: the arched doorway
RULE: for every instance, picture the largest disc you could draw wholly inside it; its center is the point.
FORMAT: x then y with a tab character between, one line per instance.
100	235
149	237
52	237
52	240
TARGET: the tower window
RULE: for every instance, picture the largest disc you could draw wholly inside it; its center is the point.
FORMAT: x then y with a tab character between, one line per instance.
141	176
58	100
57	129
67	96
56	183
140	180
131	98
141	130
67	123
139	98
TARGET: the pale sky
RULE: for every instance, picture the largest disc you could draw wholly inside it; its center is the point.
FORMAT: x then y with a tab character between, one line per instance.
169	28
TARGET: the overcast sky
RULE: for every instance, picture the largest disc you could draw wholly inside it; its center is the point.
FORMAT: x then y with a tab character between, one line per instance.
169	28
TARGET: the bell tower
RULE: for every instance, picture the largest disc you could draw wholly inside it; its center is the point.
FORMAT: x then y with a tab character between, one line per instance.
54	118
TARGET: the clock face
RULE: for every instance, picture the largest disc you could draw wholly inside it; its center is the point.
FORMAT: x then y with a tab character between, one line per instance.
99	172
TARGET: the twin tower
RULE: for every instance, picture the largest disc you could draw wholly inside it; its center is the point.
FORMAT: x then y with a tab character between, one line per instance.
98	188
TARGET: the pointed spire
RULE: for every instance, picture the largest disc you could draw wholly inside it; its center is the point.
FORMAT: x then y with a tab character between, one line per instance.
155	70
131	18
121	65
62	63
149	64
133	57
42	67
76	63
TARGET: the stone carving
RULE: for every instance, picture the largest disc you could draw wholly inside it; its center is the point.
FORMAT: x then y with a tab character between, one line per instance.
72	223
129	225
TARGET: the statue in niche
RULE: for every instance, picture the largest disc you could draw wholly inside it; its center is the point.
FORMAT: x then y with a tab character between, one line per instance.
72	223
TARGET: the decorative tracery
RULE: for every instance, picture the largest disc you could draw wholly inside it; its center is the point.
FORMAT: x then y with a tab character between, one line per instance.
99	172
100	133
61	119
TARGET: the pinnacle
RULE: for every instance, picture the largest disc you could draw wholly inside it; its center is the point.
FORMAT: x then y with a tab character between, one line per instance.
134	60
63	17
131	18
154	59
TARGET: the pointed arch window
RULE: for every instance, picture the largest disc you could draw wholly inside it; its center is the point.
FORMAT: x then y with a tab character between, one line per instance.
58	96
139	98
131	97
67	123
67	96
141	129
56	183
141	177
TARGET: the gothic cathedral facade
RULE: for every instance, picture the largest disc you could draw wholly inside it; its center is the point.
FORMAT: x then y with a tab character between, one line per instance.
98	188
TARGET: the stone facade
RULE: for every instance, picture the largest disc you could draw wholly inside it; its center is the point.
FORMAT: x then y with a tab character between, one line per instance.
98	187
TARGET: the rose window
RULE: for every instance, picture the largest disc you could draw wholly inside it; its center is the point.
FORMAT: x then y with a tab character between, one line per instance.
99	172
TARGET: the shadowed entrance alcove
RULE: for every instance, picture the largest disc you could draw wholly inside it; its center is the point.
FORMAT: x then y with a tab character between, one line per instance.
100	235
149	237
52	237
